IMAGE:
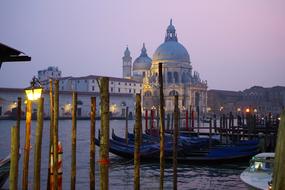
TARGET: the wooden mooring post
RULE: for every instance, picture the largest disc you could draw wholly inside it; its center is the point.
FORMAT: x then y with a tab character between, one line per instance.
14	152
161	124
92	143
157	118
27	146
168	122
186	120
38	145
104	140
55	135
198	120
138	136
279	166
193	119
19	113
221	128
127	128
215	123
146	119
152	119
51	104
15	145
210	133
172	120
175	136
73	141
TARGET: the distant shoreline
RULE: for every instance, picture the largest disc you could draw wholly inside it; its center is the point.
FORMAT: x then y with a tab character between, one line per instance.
66	118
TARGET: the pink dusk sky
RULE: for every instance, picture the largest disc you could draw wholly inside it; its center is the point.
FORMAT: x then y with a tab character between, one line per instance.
233	44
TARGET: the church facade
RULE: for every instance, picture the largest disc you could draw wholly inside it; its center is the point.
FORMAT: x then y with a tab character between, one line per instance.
178	75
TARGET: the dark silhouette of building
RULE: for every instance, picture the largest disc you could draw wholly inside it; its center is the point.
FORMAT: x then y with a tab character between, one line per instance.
258	99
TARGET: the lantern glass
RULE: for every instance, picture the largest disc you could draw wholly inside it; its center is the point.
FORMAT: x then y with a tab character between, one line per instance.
34	93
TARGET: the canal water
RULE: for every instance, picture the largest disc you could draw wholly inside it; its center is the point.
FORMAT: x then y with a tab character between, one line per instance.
190	176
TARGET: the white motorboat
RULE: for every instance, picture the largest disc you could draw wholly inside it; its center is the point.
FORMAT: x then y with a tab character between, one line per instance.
259	173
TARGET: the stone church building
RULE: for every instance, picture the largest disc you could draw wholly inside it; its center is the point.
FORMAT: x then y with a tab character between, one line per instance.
178	75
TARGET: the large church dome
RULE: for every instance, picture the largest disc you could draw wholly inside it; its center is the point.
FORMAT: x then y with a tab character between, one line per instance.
143	62
171	49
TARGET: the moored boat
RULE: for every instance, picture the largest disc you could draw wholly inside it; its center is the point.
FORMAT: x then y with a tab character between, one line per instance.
4	170
188	149
259	173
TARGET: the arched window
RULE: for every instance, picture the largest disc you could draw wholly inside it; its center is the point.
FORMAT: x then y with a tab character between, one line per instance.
147	93
176	77
197	99
184	78
173	93
169	77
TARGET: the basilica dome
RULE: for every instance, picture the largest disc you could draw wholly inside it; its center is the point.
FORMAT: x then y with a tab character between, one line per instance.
171	49
143	62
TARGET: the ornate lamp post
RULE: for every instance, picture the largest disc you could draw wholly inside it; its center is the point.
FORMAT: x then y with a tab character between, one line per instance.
33	93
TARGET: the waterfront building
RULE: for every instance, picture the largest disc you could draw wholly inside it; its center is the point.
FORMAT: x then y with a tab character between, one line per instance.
90	84
259	99
50	72
118	103
121	88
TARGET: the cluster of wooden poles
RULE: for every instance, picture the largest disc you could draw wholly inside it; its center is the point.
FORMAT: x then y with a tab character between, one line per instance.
189	119
104	142
54	181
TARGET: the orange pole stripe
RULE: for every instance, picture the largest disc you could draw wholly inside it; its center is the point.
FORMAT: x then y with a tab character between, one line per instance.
104	162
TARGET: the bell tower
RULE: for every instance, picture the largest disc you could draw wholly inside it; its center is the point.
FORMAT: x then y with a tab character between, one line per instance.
127	64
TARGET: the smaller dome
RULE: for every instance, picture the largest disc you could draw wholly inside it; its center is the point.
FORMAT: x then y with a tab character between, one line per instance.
143	62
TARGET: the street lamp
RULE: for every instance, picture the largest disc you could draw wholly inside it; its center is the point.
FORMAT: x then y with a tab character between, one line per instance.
34	92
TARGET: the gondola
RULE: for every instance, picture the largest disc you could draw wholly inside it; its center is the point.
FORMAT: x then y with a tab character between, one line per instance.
131	139
4	170
188	149
147	152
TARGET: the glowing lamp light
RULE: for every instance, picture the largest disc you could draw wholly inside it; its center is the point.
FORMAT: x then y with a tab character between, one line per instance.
113	108
238	109
247	110
34	92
